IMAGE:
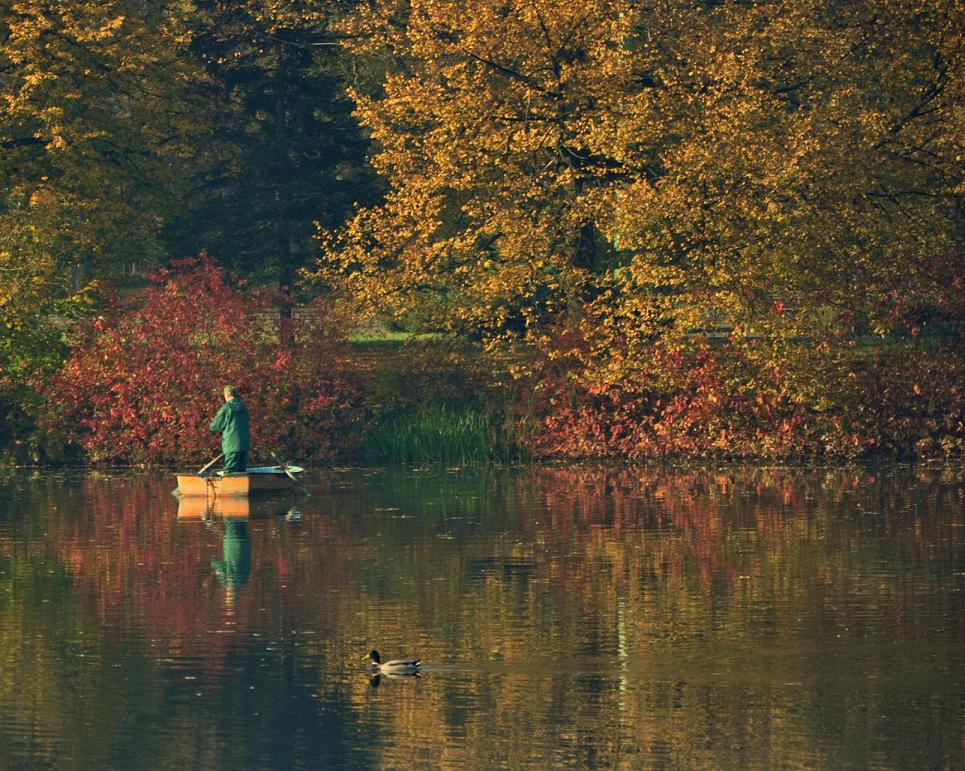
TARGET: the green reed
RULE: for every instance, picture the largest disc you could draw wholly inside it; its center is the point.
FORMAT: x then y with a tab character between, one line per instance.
441	434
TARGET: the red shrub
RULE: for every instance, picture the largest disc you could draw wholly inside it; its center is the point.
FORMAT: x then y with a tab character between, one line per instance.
144	380
904	400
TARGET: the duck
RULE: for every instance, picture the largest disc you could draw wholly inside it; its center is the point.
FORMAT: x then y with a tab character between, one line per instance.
394	667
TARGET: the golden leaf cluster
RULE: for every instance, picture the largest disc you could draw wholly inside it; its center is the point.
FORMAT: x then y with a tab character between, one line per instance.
653	171
91	119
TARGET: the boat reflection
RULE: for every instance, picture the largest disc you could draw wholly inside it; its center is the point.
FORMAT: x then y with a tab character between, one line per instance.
233	507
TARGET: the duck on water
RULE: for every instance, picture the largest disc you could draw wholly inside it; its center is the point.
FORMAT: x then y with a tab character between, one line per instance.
393	667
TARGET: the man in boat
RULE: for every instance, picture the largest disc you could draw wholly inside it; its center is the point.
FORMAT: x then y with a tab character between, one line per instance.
232	422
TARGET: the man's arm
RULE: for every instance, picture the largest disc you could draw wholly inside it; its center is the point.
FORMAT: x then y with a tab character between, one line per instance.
218	423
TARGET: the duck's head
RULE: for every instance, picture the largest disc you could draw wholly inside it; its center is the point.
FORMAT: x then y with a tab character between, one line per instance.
374	657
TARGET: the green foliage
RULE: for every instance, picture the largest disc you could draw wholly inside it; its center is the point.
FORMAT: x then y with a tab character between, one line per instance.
33	345
431	400
92	116
441	434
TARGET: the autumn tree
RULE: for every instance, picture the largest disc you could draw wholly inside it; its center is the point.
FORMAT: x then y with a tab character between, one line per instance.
657	170
712	199
92	112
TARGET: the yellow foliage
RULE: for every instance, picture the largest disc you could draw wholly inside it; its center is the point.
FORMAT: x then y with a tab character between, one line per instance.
653	172
92	114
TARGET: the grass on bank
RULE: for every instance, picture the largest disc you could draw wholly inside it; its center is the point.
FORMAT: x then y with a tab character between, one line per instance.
388	339
441	434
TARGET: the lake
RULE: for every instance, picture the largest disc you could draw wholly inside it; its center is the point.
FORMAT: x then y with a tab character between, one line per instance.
585	617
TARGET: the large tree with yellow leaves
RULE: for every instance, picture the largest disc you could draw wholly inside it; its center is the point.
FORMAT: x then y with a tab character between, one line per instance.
644	171
93	113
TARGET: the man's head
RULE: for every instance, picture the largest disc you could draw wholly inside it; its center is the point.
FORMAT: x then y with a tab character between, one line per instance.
230	392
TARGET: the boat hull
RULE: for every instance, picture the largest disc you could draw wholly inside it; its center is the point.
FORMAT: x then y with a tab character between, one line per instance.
254	481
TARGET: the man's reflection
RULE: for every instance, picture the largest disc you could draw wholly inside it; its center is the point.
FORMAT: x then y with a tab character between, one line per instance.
233	571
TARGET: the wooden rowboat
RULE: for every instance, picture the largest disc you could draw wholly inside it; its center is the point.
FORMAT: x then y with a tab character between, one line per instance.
254	480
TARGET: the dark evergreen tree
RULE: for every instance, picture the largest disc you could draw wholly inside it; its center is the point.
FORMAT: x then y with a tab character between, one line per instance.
284	152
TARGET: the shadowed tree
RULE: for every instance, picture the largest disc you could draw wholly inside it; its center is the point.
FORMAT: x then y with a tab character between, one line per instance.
285	152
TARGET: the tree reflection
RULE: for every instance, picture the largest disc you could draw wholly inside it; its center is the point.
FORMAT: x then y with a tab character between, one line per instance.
581	616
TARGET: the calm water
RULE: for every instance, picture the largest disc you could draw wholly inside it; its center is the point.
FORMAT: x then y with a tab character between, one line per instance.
737	618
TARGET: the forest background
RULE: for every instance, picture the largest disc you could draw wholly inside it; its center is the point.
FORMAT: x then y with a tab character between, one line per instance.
420	230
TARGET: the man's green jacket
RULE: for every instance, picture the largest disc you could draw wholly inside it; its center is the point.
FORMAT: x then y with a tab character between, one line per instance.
232	422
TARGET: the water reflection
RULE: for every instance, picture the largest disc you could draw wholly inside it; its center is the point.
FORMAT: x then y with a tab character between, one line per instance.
234	507
234	567
376	680
567	617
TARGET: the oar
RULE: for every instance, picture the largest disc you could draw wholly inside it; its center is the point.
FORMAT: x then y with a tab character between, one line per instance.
220	456
284	467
